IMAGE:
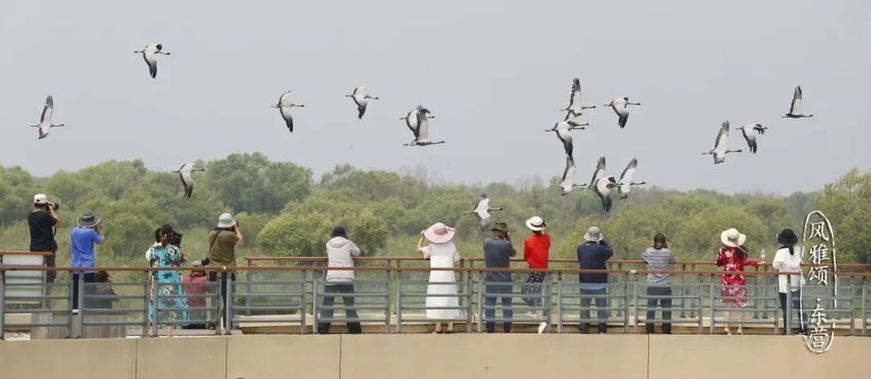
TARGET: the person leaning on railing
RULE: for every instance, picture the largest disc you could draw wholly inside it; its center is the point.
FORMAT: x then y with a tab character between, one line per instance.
340	253
498	251
788	259
733	256
658	258
536	248
222	253
593	254
43	223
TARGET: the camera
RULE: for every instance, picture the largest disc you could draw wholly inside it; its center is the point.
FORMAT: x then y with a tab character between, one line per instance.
55	206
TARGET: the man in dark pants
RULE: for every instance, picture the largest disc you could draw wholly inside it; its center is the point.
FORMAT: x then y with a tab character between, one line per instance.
340	253
83	239
43	223
593	255
658	258
498	251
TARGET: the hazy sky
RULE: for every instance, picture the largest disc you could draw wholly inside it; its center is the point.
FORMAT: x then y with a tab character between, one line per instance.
494	73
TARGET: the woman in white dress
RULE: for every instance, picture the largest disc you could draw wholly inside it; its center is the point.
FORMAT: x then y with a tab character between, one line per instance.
442	253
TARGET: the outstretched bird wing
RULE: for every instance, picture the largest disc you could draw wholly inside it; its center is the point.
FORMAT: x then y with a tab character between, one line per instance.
568	173
750	137
575	107
599	173
47	110
795	106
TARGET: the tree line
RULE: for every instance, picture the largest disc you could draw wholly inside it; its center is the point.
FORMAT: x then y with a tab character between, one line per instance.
285	211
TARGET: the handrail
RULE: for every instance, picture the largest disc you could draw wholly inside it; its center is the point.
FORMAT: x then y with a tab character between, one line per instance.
404	269
14	252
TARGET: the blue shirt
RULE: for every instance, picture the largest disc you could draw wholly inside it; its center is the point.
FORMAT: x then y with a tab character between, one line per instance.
82	241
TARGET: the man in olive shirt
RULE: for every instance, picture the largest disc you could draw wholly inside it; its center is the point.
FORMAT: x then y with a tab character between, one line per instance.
43	223
222	252
498	251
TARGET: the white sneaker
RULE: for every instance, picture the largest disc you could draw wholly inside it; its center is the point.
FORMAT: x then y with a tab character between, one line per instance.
542	327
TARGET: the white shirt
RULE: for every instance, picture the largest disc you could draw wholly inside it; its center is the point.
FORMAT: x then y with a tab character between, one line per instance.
786	262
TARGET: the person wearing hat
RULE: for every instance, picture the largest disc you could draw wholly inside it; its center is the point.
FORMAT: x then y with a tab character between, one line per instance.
196	288
442	288
83	239
340	253
658	258
733	257
43	222
222	253
498	251
593	254
788	259
536	248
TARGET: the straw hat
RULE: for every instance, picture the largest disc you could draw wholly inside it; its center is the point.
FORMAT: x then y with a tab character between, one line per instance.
535	224
439	233
732	238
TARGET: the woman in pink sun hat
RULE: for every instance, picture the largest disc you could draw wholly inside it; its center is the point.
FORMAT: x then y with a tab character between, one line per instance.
442	253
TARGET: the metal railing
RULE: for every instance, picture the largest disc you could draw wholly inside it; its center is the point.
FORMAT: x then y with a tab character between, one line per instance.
394	296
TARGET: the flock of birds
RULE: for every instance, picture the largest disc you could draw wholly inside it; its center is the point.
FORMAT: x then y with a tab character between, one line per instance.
417	121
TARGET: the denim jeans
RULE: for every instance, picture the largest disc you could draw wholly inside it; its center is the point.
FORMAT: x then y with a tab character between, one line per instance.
601	309
795	296
330	291
661	295
492	290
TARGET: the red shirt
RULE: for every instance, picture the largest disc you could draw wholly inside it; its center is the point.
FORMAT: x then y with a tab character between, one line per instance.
733	264
535	250
195	285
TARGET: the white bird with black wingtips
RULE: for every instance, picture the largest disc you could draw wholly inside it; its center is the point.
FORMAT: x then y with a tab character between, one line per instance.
620	107
361	98
795	106
284	106
750	131
563	130
721	145
185	174
624	185
567	183
149	54
601	184
45	124
417	121
575	108
483	209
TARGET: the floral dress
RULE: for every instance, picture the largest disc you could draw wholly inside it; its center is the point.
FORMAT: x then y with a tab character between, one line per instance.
733	292
167	283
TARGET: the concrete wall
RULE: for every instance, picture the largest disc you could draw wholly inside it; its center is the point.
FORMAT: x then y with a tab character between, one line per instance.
434	356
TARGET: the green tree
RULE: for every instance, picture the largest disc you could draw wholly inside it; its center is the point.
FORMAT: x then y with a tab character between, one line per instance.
16	191
847	204
252	183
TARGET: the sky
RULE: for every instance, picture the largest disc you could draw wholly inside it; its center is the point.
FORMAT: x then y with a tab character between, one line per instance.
494	73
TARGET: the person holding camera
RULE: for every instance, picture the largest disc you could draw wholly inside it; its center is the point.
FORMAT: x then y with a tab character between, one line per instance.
222	252
593	254
43	223
498	251
83	238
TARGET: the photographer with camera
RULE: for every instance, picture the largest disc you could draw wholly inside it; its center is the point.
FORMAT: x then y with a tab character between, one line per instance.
83	238
222	252
43	222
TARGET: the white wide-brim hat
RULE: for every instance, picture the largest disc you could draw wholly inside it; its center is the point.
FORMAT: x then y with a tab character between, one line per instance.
732	238
439	233
593	234
535	224
225	220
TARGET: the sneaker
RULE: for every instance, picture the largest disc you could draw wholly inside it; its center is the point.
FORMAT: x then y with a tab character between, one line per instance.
542	327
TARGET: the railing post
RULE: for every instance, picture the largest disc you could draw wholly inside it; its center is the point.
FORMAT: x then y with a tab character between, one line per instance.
625	306
864	312
3	304
303	279
145	303
635	307
76	331
469	299
701	310
314	304
481	304
399	302
787	313
559	305
248	274
228	303
713	307
683	291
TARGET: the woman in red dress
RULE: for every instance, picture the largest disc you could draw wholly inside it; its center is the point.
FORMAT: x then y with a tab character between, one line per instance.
733	257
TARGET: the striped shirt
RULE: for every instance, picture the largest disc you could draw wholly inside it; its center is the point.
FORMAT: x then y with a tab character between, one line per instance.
658	260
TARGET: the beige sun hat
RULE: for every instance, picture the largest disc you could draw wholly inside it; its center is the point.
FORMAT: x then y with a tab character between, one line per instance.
732	238
535	224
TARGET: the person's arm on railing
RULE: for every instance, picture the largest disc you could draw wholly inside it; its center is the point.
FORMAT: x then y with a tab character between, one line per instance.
354	250
425	250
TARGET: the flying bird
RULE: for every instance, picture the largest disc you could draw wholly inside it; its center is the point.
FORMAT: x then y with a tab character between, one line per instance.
795	106
721	145
284	106
749	132
45	119
575	107
483	209
361	98
620	107
185	173
563	130
567	183
417	121
149	54
624	185
602	184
